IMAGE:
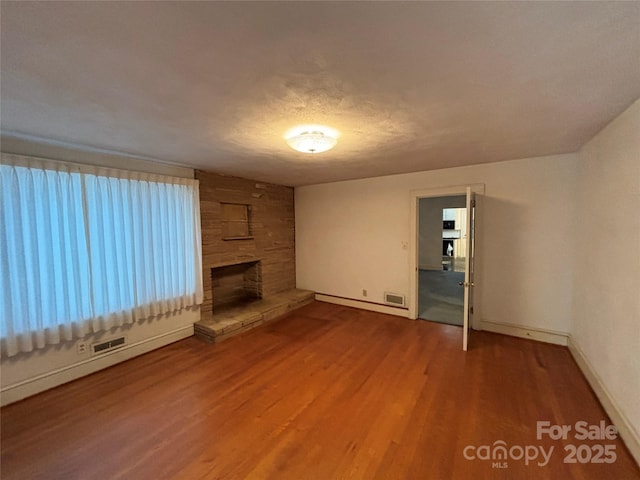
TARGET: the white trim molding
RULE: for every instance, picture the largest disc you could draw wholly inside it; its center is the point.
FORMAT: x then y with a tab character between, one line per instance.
374	307
626	430
18	391
522	331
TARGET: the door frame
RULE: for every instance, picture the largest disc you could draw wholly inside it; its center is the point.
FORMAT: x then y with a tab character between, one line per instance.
449	191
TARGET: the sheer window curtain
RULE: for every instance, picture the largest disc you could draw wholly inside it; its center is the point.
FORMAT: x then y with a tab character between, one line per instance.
84	249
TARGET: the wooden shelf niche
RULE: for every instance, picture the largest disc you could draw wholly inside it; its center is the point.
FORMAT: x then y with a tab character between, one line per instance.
236	221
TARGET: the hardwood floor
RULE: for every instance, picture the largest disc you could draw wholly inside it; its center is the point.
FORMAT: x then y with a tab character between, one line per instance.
328	392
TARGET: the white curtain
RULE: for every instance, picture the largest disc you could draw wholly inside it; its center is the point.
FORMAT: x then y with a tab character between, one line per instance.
84	249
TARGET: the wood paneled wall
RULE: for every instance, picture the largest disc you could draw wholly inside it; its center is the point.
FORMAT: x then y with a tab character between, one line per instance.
272	228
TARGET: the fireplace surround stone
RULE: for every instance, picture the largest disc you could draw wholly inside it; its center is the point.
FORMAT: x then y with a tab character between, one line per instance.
265	242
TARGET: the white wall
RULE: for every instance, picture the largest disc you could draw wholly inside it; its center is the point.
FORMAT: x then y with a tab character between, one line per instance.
354	235
606	324
27	374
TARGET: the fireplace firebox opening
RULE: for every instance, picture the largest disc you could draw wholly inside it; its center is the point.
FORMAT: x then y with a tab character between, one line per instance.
237	284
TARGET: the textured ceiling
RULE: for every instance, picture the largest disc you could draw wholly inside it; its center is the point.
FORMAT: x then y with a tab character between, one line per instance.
410	85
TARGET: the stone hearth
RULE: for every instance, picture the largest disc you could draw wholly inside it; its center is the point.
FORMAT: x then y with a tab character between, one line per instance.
231	321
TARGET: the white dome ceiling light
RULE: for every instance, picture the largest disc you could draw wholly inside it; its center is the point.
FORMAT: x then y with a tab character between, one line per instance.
312	138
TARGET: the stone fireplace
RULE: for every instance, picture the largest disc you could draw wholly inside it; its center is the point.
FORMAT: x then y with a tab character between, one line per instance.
236	284
248	255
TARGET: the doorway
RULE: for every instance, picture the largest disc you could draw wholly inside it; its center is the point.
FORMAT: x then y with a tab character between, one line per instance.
468	285
442	241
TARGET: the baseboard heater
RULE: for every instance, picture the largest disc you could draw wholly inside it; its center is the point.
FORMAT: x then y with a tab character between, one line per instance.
107	346
394	299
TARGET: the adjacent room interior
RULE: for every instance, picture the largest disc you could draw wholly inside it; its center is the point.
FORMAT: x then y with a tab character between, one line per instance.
320	240
442	252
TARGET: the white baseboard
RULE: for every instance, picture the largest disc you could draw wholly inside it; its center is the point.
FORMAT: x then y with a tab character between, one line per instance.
374	307
40	383
533	333
626	430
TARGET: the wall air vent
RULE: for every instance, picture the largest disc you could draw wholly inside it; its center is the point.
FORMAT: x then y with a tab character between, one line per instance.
107	346
394	299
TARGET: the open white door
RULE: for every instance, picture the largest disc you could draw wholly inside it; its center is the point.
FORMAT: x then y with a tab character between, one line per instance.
469	268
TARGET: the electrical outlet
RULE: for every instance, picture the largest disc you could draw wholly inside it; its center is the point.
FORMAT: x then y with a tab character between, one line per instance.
82	348
364	292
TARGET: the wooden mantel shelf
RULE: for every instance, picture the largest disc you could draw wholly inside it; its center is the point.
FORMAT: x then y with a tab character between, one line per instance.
237	238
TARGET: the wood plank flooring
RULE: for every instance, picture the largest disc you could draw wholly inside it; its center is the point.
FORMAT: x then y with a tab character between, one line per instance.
328	392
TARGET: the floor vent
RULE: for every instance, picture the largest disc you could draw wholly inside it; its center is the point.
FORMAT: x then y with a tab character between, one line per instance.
394	299
103	347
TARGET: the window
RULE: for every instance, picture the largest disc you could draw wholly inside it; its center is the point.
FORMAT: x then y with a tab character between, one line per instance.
85	249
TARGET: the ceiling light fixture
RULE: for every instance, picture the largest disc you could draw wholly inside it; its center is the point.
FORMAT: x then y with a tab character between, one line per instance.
312	138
